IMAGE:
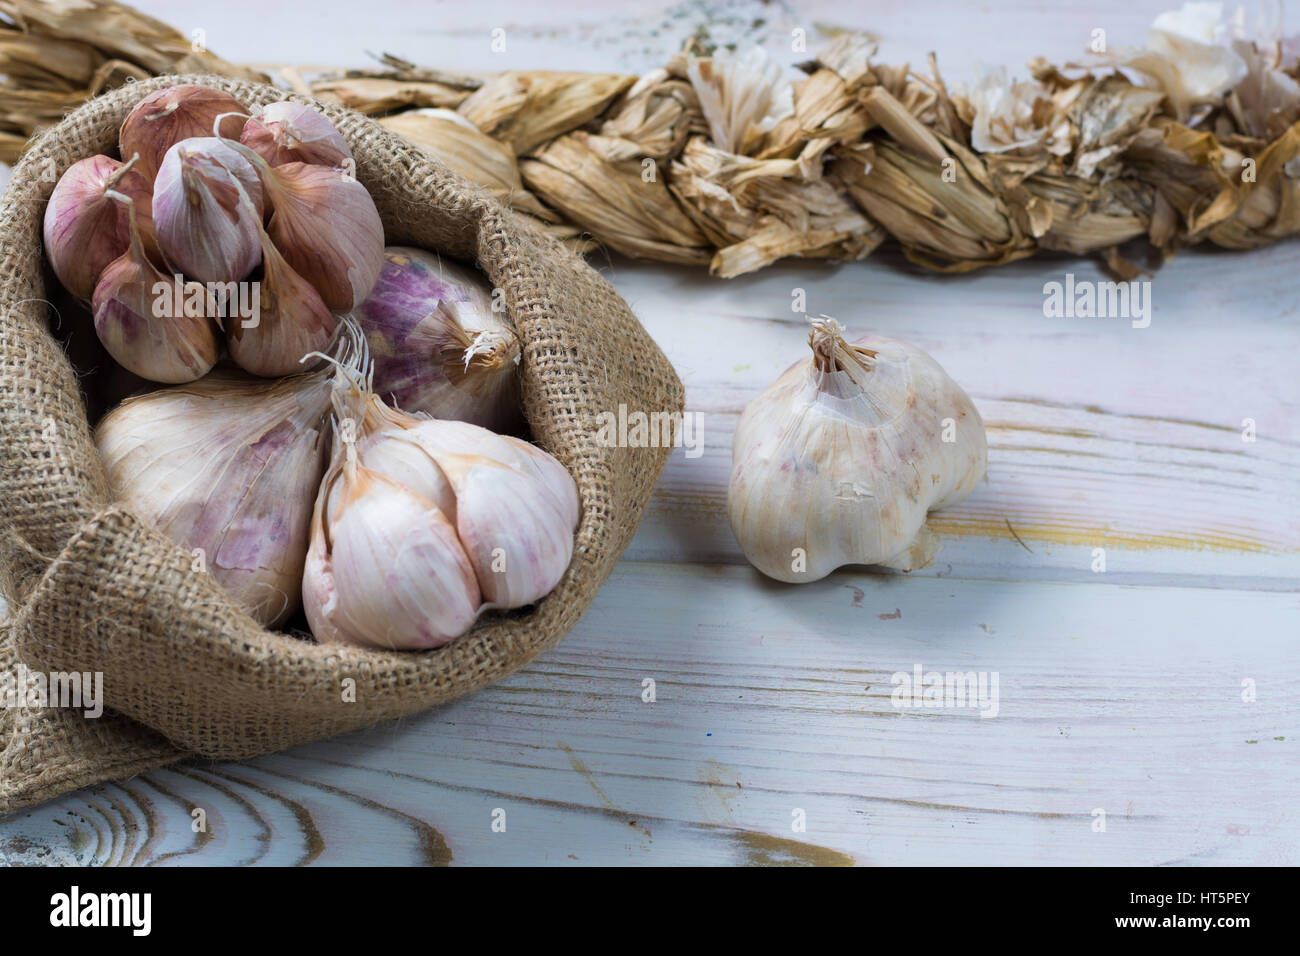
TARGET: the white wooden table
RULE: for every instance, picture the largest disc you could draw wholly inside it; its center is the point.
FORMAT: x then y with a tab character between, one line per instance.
1162	691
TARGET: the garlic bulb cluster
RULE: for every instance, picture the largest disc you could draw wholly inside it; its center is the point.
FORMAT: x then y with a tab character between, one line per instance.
840	459
227	466
220	264
423	524
256	223
438	343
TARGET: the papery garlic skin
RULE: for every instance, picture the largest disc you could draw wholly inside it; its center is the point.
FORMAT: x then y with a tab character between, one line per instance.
438	345
231	465
1188	55
839	461
167	116
423	524
1022	118
288	132
204	226
292	321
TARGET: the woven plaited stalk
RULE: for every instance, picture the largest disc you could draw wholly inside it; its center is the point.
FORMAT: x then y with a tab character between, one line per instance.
95	590
866	153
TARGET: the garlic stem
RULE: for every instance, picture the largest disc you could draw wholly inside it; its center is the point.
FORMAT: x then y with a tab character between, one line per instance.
167	110
216	123
831	353
117	174
137	244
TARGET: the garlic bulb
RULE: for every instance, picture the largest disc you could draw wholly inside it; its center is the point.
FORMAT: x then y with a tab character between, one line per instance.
204	228
839	460
292	133
84	229
438	345
227	466
154	335
167	116
423	524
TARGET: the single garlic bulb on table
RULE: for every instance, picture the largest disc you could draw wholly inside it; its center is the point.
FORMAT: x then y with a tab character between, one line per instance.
840	459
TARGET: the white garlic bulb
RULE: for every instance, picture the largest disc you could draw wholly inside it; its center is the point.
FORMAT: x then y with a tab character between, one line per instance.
422	524
841	458
228	467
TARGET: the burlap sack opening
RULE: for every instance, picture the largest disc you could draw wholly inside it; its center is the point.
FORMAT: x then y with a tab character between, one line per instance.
93	589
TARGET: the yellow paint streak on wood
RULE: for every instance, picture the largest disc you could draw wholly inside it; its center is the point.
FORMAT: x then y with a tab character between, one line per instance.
1093	535
762	849
609	805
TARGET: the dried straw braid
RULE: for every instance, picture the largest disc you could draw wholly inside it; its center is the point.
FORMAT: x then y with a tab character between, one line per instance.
677	166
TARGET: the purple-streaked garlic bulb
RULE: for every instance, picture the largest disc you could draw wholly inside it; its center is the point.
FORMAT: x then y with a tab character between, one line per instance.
205	228
85	229
439	346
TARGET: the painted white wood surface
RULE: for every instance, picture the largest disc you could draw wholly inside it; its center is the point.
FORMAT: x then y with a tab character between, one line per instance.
1119	691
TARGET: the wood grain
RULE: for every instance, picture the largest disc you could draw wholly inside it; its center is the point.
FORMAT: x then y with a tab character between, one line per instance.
771	699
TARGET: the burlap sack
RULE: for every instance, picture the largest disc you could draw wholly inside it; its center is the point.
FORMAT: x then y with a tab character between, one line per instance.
93	589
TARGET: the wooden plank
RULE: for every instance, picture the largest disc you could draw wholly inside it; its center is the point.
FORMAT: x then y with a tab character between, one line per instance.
772	699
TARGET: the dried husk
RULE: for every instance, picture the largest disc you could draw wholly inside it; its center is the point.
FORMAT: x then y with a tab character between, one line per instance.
456	141
750	166
598	183
56	54
526	109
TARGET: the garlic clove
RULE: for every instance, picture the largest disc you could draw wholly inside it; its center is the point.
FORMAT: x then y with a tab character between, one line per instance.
400	457
204	229
292	321
516	507
839	461
167	116
147	329
384	568
327	228
292	133
84	230
439	345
